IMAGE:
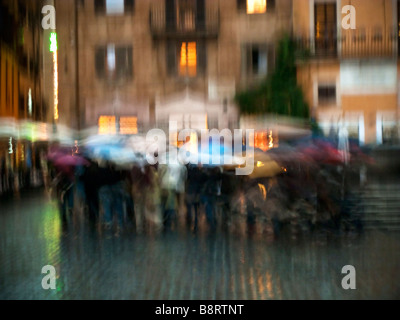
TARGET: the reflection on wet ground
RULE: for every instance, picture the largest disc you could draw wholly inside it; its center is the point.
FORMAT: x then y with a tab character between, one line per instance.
181	265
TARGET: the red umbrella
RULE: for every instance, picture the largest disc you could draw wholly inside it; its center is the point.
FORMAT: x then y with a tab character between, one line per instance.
323	153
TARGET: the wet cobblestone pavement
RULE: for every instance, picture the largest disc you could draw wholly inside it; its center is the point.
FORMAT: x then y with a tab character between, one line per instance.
181	265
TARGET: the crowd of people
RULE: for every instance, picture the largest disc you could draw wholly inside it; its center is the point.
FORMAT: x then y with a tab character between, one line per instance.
302	199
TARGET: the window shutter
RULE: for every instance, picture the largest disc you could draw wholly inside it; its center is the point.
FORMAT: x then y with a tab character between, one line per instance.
129	56
170	16
200	15
100	6
129	6
100	61
270	5
249	60
241	4
270	59
201	57
171	58
123	57
120	62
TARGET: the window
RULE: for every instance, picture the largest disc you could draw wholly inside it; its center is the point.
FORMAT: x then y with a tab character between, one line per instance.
114	62
325	27
256	60
389	128
186	59
186	14
256	6
113	7
128	125
107	125
326	94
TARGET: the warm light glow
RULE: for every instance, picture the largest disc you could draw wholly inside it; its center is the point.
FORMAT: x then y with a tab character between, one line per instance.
128	125
107	125
173	139
271	140
264	140
55	63
263	191
188	59
193	143
318	33
261	140
260	164
256	6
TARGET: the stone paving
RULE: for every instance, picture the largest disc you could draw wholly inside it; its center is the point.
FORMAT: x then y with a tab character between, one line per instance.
184	266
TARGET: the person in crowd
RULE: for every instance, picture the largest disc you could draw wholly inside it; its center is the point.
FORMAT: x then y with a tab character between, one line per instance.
111	196
64	186
91	186
209	193
172	180
194	183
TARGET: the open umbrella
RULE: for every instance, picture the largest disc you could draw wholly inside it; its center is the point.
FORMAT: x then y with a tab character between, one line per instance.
264	166
70	160
117	154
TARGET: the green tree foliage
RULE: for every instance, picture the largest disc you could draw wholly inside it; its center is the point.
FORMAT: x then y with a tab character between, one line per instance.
279	92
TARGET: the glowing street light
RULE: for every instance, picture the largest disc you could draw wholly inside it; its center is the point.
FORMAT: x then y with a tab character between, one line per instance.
54	48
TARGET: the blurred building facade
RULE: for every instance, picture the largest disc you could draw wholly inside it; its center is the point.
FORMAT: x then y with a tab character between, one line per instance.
351	76
21	98
129	65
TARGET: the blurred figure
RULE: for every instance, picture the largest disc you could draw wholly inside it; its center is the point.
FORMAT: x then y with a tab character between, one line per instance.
143	180
64	186
228	187
210	190
2	175
44	167
152	198
91	186
172	177
111	196
192	196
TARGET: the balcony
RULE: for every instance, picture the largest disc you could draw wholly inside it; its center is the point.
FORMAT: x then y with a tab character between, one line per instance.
352	44
188	26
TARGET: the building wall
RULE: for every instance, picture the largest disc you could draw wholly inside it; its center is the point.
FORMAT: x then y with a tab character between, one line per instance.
151	82
370	13
373	88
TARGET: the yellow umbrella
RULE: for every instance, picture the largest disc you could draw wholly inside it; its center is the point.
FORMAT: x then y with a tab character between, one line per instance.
265	166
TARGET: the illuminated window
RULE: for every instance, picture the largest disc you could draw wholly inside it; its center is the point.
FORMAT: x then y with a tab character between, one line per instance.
188	59
128	125
256	6
107	125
